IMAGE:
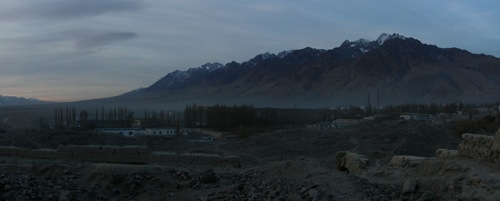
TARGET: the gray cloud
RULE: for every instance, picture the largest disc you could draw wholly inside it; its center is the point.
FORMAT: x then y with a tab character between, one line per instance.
94	42
65	9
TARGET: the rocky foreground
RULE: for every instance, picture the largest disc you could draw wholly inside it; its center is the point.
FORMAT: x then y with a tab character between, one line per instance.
286	180
368	162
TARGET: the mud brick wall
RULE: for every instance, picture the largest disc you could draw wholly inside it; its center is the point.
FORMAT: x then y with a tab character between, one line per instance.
479	147
124	155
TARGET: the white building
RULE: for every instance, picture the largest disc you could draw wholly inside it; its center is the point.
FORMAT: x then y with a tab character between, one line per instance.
340	123
128	132
416	116
161	131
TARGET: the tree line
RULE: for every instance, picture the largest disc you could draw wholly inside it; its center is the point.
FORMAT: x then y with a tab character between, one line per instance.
226	118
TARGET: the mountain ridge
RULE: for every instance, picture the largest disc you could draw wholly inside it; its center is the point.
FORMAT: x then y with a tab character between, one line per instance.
14	100
399	69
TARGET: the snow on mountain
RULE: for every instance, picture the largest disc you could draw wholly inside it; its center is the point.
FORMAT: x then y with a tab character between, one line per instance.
211	66
284	53
178	78
360	46
259	58
403	69
385	37
205	68
267	55
365	45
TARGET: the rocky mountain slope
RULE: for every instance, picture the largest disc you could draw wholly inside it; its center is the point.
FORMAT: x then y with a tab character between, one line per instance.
390	70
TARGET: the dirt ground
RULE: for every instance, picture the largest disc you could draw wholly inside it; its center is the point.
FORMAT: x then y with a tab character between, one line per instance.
286	165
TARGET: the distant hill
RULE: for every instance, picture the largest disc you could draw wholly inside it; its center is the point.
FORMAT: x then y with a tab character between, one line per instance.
393	69
13	100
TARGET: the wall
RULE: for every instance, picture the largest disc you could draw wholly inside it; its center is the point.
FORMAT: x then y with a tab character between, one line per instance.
483	147
118	154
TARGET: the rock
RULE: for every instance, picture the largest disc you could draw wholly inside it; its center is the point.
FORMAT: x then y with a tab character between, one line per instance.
446	153
272	194
350	162
303	190
471	195
410	186
64	195
426	196
451	166
208	176
116	191
313	194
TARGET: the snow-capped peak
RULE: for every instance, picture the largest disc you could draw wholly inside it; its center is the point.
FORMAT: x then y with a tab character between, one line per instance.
284	53
358	43
180	75
211	66
361	41
365	45
266	55
385	37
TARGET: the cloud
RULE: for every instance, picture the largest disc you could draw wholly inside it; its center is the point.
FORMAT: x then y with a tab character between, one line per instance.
95	42
65	9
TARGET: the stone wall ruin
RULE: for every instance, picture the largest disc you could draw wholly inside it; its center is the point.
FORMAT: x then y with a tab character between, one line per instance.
120	154
482	147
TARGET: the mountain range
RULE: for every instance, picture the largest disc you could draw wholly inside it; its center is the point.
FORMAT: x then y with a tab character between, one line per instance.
13	100
393	69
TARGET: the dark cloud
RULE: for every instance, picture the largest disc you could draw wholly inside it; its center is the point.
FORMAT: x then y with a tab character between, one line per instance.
92	43
67	9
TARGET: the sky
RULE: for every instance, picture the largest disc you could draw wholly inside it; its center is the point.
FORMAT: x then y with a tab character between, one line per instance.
68	50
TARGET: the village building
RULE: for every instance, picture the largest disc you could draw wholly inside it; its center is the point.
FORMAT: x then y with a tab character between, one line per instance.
340	123
416	116
128	132
131	132
161	131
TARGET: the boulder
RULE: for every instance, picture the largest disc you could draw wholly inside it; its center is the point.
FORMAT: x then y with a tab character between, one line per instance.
410	186
446	153
350	162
